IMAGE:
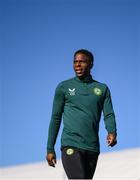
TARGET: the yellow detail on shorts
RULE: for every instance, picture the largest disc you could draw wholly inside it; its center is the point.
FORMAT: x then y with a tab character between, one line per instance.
70	151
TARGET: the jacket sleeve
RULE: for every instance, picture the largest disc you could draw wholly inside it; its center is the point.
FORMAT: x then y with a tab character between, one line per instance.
109	116
57	111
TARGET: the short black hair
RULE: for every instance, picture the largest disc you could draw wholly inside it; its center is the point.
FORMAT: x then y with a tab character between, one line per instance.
85	52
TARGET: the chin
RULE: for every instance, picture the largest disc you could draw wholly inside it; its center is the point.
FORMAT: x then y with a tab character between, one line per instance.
80	76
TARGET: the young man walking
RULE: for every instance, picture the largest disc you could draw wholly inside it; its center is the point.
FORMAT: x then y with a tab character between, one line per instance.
80	100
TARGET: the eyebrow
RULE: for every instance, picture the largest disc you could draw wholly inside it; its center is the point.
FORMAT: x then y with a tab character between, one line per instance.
80	59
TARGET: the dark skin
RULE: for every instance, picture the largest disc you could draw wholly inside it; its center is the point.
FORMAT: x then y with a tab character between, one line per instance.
82	67
51	159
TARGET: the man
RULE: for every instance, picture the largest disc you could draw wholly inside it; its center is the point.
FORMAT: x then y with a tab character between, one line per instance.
81	101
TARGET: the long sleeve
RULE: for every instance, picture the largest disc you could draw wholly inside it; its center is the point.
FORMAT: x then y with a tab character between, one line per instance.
57	111
109	116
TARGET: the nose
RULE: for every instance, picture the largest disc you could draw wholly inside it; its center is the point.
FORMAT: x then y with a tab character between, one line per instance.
78	64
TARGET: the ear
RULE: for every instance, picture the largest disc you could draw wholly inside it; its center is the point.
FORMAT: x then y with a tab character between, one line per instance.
91	65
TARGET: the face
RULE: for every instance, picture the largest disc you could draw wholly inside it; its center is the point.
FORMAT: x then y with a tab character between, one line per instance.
82	65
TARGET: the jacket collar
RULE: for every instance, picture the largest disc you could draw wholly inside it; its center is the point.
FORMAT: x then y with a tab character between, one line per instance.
87	79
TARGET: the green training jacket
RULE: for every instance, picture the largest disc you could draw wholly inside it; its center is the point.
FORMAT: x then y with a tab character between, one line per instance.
80	103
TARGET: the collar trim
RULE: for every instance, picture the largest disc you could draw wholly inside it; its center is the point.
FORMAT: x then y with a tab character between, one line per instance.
87	79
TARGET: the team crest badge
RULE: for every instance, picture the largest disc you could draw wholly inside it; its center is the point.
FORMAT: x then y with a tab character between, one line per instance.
97	91
72	91
70	151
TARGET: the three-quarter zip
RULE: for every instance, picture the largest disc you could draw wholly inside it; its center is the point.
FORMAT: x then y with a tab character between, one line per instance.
80	104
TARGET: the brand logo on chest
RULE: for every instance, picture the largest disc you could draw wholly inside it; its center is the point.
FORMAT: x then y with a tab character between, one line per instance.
71	92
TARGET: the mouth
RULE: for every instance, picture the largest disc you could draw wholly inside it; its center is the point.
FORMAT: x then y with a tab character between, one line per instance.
79	72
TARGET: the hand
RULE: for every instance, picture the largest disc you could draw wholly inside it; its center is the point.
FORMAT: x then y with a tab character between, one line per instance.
51	158
111	140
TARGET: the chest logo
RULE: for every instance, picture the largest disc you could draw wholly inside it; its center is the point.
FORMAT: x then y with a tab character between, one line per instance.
97	91
72	91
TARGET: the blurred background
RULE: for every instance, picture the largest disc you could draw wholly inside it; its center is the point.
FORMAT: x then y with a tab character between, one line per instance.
37	40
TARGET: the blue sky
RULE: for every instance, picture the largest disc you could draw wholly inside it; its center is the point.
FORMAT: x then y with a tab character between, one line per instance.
37	41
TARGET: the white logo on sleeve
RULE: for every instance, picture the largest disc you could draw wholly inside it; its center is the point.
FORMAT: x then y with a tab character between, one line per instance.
72	91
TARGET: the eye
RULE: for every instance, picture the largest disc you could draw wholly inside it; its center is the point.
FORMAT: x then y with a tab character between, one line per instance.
79	61
83	61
